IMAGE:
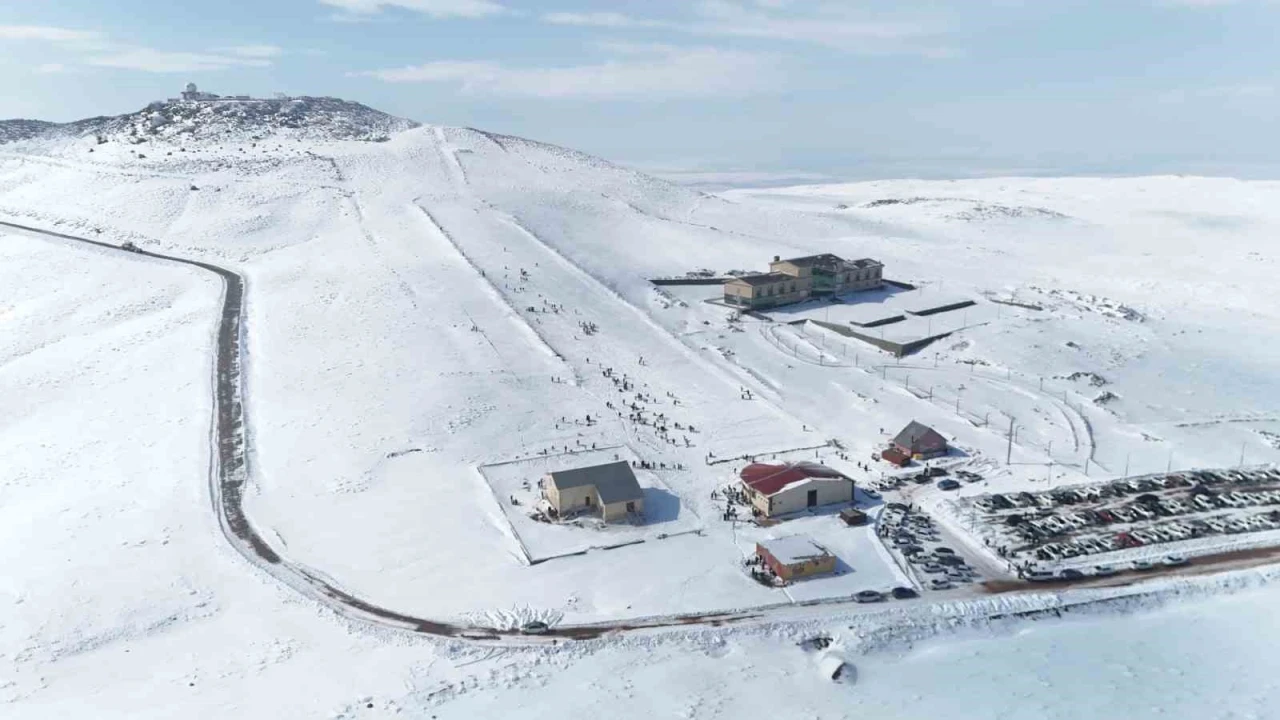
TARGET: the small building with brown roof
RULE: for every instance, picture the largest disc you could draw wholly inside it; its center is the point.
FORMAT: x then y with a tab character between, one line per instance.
920	441
795	557
791	487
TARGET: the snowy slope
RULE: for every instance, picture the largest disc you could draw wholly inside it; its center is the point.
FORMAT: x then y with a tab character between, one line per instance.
396	348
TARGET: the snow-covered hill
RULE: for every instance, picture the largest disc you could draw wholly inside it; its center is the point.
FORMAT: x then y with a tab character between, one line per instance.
422	309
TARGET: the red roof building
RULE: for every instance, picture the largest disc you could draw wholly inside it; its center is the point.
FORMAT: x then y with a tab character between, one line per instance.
791	487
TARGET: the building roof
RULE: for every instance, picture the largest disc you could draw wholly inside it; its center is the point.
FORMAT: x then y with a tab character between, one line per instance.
794	549
895	456
863	263
825	260
769	479
916	437
763	279
615	482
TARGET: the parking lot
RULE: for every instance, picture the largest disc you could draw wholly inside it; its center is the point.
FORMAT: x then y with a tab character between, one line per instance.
916	541
1077	531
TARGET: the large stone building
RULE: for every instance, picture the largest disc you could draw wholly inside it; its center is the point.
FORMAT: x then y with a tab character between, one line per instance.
831	274
787	488
611	489
798	279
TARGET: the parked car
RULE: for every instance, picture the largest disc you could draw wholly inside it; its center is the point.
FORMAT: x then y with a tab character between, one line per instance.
1174	561
1143	565
868	596
933	568
940	584
904	593
948	484
1071	574
1040	575
1104	571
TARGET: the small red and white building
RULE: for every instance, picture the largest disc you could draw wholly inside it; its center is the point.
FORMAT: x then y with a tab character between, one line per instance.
792	487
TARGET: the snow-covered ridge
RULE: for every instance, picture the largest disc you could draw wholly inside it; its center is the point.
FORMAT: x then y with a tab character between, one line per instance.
311	118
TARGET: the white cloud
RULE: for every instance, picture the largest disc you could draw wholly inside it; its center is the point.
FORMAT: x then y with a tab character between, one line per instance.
1245	91
161	61
253	51
92	48
599	19
46	34
835	25
832	25
432	8
1197	3
646	73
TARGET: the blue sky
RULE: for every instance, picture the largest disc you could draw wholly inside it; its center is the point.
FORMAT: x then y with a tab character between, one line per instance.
763	89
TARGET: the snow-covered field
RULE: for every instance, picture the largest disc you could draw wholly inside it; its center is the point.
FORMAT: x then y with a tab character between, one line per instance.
425	307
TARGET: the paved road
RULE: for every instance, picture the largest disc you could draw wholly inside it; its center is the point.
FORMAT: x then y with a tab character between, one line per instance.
229	475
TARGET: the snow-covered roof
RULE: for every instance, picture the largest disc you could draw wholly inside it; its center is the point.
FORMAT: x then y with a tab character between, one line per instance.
794	549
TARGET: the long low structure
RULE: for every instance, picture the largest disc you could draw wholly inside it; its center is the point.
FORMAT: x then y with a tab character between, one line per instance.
787	488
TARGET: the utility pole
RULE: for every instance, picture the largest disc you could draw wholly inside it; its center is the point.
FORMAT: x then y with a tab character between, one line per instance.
1126	465
1168	468
1008	455
1086	466
1242	445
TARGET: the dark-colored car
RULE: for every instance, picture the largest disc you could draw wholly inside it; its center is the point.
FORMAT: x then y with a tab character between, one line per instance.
1071	574
904	593
948	484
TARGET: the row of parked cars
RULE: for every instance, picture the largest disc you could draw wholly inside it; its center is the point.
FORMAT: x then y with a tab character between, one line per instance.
915	536
1162	533
1199	480
1100	571
926	475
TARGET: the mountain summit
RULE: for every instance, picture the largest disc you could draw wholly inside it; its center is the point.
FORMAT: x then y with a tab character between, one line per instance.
203	115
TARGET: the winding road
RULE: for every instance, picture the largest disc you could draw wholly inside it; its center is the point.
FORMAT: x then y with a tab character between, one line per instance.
229	474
